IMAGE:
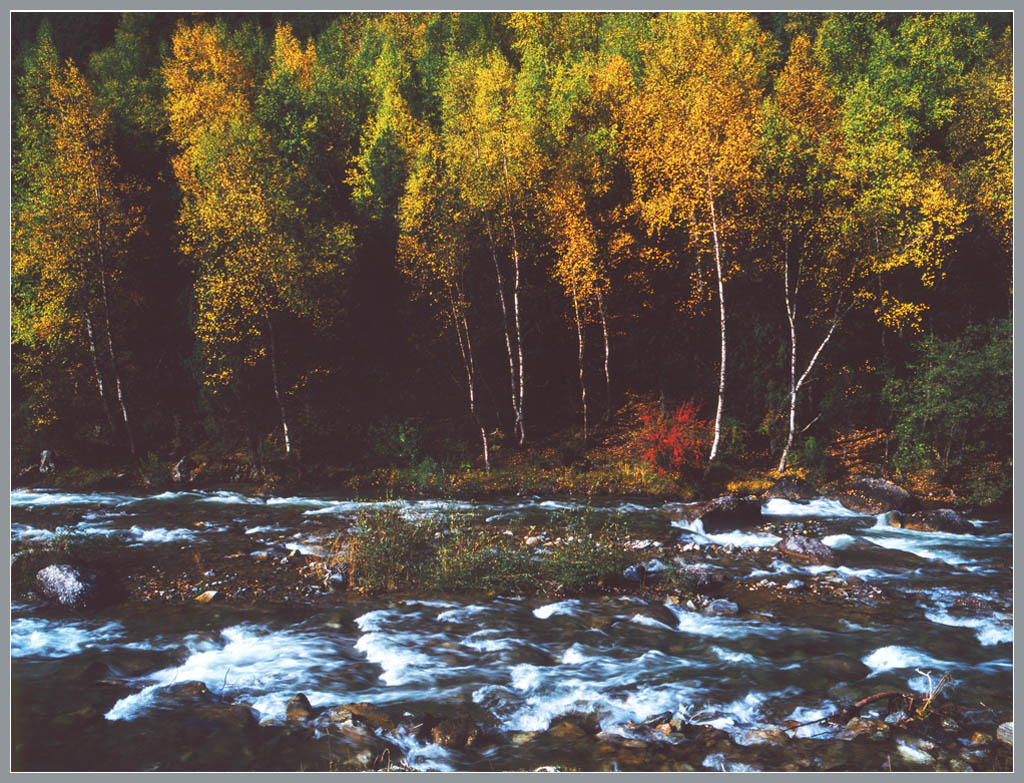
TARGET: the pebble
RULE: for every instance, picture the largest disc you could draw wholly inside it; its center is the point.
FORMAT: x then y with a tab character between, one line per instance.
980	738
205	598
915	755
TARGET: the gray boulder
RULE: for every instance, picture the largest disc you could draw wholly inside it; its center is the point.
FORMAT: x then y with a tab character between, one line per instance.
730	511
867	495
702	580
943	520
792	489
721	606
67	586
807	549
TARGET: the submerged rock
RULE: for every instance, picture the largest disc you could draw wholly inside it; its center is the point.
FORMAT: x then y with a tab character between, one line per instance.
867	495
943	520
68	586
807	549
840	667
792	489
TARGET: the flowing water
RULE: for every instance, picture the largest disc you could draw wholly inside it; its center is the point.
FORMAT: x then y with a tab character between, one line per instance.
90	687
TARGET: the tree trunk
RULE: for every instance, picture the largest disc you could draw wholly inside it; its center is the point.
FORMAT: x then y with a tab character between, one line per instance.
96	370
512	372
521	422
721	315
277	386
803	377
466	349
117	370
607	373
583	382
791	317
100	262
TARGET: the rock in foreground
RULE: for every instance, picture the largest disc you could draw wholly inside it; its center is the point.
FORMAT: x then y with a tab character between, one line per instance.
67	586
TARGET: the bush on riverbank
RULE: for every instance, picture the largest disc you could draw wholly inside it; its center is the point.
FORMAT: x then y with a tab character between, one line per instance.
953	409
389	553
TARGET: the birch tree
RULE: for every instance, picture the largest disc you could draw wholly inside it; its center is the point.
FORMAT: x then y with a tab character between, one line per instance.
74	224
260	259
805	195
494	173
692	138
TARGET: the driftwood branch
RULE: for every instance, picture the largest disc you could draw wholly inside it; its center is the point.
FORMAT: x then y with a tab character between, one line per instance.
845	714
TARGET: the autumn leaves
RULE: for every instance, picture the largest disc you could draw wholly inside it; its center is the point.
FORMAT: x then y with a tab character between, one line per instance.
509	165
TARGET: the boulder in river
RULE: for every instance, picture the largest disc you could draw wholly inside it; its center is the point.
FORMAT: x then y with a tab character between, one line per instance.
807	549
943	520
68	586
973	603
702	580
721	606
868	495
367	714
729	511
298	709
789	488
455	732
586	722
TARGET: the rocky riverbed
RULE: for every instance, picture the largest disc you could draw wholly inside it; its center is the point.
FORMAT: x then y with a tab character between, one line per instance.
222	634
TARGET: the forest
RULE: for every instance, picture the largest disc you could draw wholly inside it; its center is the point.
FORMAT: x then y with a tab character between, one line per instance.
443	242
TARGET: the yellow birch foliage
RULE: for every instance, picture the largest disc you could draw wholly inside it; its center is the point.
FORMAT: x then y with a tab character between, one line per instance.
77	219
692	129
255	255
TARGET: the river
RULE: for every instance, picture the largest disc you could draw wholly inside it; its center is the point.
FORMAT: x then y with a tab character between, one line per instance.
91	688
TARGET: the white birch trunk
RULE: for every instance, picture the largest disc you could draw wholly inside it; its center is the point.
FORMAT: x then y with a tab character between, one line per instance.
466	349
277	387
802	379
607	372
96	372
521	422
512	371
791	317
721	315
106	317
583	382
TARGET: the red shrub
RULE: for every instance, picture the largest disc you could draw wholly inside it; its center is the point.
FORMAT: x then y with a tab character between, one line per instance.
670	442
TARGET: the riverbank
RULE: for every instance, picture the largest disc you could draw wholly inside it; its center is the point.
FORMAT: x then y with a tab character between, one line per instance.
610	466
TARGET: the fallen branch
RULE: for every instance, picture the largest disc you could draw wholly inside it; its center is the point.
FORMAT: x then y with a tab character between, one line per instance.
915	706
840	717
